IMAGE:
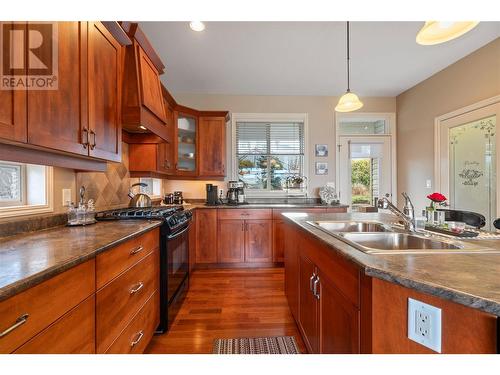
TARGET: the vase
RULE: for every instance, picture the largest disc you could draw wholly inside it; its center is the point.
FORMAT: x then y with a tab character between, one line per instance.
430	214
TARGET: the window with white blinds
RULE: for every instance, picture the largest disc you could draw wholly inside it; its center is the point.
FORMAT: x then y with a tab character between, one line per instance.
269	152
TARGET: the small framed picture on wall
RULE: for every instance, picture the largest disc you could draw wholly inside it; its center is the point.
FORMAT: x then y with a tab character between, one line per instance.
321	168
321	150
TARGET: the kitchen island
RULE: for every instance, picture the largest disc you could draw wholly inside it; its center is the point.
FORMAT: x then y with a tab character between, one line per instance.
360	299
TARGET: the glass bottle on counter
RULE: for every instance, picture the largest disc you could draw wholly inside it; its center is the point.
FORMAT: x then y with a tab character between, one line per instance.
72	220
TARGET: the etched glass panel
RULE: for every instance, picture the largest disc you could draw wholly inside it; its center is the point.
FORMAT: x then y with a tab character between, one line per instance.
473	168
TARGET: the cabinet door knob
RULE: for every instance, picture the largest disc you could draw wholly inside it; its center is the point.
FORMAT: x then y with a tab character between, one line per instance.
311	281
85	137
19	322
137	288
93	136
138	338
315	287
136	250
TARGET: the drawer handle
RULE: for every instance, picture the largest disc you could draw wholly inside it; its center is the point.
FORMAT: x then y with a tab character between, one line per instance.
137	288
139	337
19	322
136	250
245	214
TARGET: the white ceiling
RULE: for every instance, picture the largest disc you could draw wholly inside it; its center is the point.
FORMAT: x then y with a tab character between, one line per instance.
303	58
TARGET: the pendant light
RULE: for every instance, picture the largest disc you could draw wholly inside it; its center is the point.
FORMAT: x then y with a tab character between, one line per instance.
349	101
435	32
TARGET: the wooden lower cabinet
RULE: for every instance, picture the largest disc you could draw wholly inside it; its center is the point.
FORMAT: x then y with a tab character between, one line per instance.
44	304
258	241
231	239
136	336
291	270
206	236
339	310
308	305
339	320
119	301
73	333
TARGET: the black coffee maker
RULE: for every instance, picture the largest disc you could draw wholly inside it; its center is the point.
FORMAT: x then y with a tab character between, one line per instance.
212	199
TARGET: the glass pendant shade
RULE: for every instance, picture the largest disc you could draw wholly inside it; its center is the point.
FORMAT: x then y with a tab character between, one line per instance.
348	102
435	32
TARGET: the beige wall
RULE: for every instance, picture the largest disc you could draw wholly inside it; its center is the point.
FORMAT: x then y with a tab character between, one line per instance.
471	79
320	110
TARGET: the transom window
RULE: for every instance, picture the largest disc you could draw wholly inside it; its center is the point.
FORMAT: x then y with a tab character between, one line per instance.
268	152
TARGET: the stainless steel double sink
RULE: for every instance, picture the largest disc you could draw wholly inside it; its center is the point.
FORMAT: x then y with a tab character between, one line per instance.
375	237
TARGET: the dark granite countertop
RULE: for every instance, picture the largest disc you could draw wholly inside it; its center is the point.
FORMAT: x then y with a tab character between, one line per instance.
468	279
266	205
28	259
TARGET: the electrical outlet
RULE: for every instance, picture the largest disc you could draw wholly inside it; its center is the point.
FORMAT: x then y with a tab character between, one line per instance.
424	324
428	184
66	197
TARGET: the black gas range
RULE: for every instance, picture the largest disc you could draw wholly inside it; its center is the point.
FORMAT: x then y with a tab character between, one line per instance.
174	253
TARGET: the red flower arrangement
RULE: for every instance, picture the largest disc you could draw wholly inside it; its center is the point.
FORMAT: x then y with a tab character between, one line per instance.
436	197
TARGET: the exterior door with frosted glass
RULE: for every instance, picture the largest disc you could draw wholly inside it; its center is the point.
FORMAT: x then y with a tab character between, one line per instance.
365	170
468	162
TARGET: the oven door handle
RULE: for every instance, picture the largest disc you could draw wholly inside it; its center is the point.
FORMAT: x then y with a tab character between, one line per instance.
175	235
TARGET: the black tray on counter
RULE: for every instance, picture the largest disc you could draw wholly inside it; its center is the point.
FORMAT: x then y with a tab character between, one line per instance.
464	234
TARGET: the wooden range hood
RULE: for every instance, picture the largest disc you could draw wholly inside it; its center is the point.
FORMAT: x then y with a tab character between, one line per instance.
143	105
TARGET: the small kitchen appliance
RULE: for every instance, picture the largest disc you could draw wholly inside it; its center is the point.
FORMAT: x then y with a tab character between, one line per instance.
212	199
235	193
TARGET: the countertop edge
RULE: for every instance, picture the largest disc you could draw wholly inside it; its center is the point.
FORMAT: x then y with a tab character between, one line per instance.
454	295
35	279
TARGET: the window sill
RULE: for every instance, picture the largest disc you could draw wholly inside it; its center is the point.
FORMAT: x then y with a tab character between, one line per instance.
24	210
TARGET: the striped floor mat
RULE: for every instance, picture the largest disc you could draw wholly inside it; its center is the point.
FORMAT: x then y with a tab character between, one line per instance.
256	345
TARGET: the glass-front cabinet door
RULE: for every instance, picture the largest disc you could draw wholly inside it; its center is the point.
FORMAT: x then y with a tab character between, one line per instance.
186	142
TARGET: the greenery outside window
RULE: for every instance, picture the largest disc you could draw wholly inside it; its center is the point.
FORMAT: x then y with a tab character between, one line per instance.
267	153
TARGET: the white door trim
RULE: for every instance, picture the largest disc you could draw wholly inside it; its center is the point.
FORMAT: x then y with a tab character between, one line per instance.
390	118
437	132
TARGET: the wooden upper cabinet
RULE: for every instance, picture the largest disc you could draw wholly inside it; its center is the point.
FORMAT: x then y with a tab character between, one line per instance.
151	95
12	105
57	119
186	140
212	147
104	88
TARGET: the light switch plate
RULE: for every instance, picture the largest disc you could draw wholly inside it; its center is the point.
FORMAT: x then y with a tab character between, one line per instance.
424	324
66	197
428	184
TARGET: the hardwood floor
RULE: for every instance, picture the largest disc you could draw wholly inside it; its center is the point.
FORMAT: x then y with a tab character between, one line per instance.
229	304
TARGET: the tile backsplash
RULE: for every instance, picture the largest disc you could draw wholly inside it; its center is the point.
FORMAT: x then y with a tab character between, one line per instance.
108	189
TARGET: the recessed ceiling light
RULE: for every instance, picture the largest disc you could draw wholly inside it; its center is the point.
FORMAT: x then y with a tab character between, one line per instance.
436	32
197	25
142	127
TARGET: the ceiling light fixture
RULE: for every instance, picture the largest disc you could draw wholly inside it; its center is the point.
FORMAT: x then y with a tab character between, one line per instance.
349	101
197	25
142	127
436	32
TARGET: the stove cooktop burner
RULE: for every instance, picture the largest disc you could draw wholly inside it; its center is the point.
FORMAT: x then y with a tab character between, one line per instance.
161	212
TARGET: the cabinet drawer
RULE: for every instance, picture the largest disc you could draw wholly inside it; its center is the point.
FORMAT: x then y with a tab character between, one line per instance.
277	212
120	300
332	210
44	304
136	336
242	213
111	263
73	333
